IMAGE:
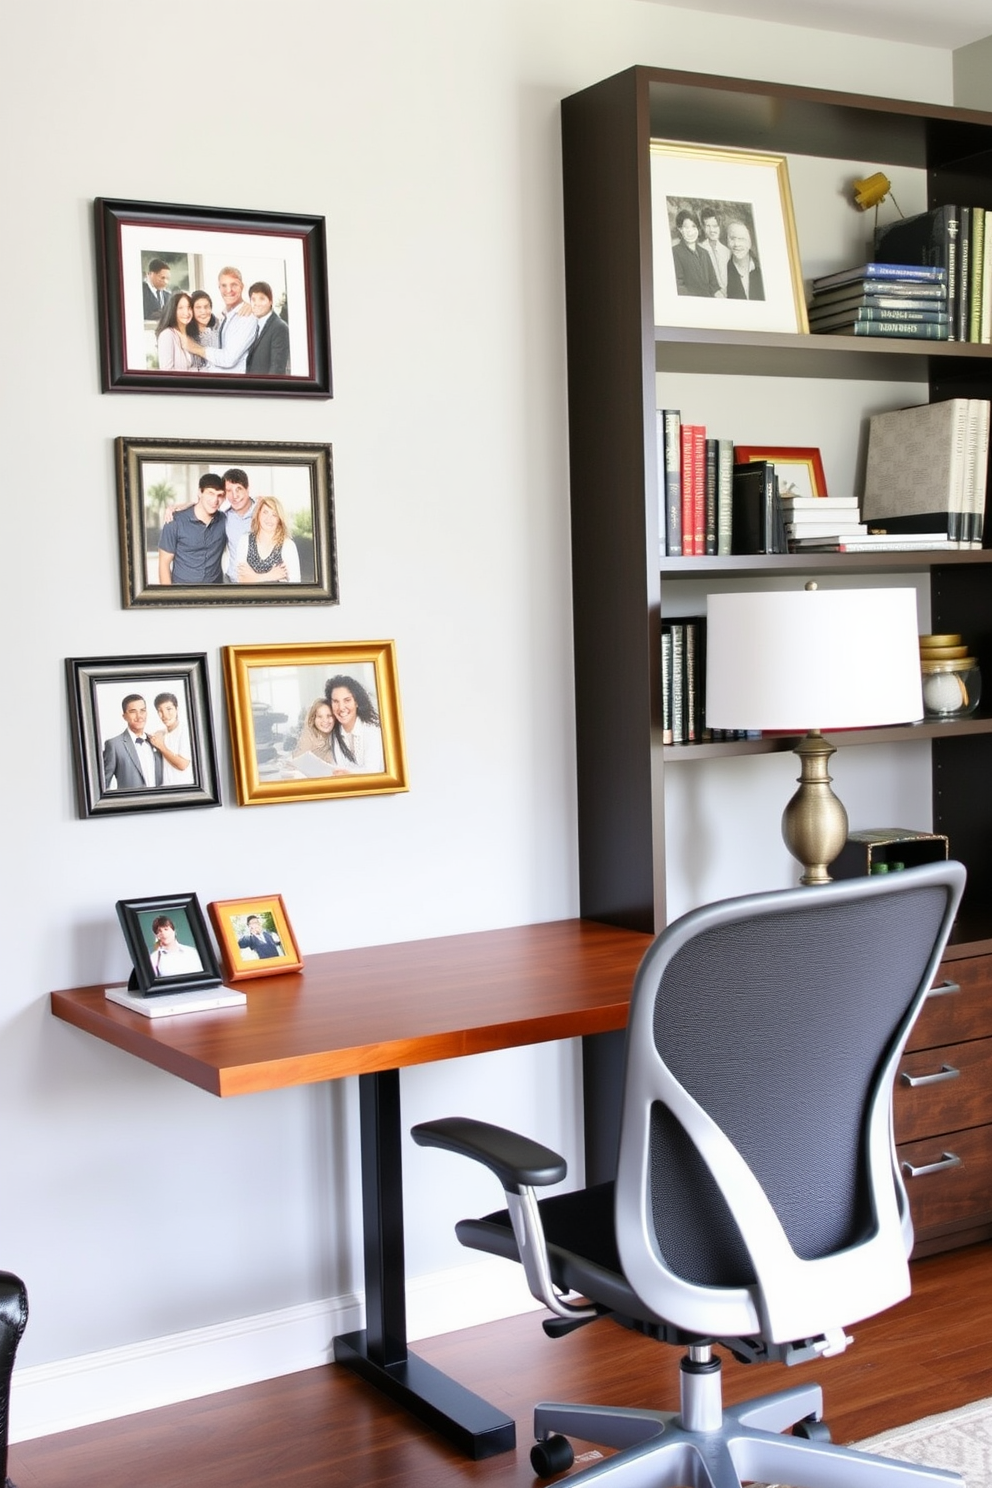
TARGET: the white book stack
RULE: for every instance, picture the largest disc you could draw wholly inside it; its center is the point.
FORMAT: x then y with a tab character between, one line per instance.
820	520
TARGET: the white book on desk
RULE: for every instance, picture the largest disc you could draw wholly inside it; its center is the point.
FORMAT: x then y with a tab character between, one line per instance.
169	1005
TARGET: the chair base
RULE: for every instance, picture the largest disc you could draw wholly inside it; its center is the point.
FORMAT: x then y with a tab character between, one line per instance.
744	1445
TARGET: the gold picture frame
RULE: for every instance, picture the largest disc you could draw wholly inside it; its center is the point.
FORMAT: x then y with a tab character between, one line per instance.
314	722
249	949
746	194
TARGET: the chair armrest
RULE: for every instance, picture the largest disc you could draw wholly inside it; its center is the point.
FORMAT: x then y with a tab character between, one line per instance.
521	1166
517	1161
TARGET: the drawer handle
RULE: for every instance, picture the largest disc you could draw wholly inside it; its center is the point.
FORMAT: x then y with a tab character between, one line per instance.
946	1072
943	988
947	1160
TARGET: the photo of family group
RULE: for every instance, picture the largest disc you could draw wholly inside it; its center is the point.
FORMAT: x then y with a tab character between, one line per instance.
714	251
314	721
142	733
726	255
201	300
225	523
168	943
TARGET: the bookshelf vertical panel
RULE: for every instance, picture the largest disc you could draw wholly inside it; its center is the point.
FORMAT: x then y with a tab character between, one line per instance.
616	589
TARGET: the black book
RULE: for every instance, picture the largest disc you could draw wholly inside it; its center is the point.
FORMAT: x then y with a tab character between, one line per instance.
711	495
931	238
757	525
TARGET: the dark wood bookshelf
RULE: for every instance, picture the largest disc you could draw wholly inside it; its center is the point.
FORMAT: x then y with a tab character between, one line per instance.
621	586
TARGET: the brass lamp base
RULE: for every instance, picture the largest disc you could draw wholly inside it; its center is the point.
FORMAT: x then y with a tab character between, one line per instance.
814	824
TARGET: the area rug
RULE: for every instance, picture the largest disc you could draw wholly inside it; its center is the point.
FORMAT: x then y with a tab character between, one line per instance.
959	1441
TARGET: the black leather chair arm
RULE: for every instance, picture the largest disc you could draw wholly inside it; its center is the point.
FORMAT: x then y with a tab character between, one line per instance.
517	1162
13	1319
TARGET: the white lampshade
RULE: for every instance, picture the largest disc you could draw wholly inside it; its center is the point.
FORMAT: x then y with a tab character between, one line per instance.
812	659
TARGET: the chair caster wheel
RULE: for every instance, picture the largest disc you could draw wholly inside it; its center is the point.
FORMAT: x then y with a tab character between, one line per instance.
555	1455
811	1429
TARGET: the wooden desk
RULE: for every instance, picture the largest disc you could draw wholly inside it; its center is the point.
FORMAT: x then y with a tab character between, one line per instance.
370	1013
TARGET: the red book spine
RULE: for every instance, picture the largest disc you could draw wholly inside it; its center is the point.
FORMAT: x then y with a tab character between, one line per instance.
688	502
699	489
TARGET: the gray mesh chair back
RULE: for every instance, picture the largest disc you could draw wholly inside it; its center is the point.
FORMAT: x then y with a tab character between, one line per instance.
757	1190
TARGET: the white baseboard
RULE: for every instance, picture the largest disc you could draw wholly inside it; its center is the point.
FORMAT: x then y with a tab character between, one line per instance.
46	1398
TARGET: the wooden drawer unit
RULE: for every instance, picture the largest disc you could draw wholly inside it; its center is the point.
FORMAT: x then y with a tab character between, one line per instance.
942	1109
948	1182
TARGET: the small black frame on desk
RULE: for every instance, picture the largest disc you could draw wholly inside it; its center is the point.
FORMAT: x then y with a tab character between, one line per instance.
162	700
168	943
181	296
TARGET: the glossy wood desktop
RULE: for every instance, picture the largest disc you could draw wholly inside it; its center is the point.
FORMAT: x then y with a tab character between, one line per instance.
370	1013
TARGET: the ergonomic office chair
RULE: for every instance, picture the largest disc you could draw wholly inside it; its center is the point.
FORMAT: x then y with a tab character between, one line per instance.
13	1320
758	1203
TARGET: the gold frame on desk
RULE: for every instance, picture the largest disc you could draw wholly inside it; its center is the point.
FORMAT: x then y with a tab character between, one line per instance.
231	919
271	692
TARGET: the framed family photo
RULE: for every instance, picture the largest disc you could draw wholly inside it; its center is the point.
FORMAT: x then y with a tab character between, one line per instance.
799	469
225	523
313	722
141	733
168	943
726	256
212	300
254	936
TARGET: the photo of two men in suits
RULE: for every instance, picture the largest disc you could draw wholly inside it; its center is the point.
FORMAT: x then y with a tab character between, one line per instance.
143	755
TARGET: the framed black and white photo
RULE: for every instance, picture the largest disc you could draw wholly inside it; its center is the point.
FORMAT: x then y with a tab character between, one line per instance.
212	300
314	722
225	523
725	252
141	733
169	945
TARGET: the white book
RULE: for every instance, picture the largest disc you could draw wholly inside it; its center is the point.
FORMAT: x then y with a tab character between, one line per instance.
829	529
819	503
881	542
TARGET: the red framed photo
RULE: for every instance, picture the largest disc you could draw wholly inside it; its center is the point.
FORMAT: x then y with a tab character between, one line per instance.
800	471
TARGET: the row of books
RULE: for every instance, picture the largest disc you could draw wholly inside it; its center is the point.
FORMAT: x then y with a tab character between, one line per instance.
958	240
882	299
695	473
683	685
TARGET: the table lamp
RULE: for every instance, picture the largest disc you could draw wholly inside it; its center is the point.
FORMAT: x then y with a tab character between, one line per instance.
807	660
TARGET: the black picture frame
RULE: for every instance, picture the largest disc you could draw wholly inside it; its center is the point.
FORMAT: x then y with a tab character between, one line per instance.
197	245
99	688
156	476
149	950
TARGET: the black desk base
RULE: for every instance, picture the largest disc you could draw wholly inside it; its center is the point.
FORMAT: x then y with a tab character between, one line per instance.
379	1353
475	1426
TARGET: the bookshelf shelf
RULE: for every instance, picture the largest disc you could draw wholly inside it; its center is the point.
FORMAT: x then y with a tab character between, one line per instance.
758	565
616	352
904	733
778	354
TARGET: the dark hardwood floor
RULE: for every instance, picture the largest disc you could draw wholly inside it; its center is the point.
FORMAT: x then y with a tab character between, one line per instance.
324	1427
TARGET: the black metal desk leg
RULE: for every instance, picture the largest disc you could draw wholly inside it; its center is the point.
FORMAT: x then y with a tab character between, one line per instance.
379	1353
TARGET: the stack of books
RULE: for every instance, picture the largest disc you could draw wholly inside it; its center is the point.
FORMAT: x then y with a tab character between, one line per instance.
821	522
959	241
883	299
694	488
683	685
926	474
